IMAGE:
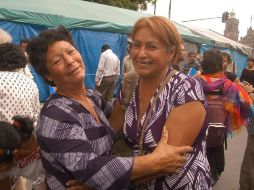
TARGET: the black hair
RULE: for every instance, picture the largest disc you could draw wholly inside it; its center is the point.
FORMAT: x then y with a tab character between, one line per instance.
11	57
38	47
24	40
212	61
9	140
227	55
105	47
24	126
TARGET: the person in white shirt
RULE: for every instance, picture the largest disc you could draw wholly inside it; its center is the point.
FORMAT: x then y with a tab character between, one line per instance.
19	94
107	73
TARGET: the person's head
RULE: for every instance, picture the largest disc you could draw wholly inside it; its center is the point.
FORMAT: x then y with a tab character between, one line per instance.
23	44
226	57
9	141
11	57
192	56
5	37
105	47
54	56
12	136
212	61
199	58
181	56
155	44
250	62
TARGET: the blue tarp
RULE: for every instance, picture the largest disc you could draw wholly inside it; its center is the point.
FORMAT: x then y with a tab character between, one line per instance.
88	43
239	59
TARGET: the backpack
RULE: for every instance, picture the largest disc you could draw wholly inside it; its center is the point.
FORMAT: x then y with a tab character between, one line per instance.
216	120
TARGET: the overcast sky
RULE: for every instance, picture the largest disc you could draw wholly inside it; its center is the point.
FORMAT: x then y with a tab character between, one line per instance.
197	9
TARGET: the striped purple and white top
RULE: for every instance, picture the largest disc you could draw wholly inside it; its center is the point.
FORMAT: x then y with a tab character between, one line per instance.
181	89
74	145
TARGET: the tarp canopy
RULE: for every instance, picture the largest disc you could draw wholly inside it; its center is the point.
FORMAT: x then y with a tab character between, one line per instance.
222	41
80	14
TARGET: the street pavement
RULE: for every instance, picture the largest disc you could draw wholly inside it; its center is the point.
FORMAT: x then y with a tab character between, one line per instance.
229	179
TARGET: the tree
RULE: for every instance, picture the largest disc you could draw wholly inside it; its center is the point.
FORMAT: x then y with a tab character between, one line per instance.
127	4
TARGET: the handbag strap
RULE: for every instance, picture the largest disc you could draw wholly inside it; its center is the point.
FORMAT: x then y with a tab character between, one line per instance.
165	82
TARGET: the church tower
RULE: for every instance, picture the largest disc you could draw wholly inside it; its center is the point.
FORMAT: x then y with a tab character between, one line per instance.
231	28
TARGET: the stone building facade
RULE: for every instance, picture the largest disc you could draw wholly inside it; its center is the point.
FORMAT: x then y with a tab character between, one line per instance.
231	27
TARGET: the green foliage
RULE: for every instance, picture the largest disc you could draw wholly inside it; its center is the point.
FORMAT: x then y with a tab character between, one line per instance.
126	4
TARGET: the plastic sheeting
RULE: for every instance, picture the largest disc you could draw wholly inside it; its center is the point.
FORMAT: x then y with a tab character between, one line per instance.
87	42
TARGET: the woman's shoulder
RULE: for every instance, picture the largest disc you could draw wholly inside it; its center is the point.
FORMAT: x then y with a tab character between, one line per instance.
180	79
57	105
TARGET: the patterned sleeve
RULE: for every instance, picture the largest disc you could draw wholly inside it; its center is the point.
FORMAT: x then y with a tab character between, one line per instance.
105	106
65	140
187	90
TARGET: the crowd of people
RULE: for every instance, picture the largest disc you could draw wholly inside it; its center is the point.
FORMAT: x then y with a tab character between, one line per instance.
76	126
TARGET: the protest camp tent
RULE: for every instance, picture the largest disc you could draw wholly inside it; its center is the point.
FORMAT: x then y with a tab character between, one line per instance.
91	25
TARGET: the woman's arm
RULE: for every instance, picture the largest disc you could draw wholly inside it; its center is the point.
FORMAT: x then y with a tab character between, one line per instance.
184	123
116	118
164	159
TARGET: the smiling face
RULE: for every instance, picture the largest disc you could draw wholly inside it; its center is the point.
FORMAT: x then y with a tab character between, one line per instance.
149	55
64	64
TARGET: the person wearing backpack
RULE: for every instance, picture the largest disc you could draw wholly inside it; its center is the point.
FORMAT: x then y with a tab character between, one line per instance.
228	108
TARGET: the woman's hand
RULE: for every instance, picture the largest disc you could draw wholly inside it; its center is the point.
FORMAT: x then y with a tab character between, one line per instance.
76	185
169	159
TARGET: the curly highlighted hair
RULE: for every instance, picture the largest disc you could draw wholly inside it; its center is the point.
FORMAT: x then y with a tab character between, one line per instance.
38	48
11	57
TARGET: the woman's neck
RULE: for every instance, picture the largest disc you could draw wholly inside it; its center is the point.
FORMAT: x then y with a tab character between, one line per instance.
74	92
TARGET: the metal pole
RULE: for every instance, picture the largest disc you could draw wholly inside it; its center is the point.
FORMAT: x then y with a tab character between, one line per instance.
155	3
169	9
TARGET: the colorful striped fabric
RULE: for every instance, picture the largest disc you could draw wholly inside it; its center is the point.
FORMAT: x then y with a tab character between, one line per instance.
236	100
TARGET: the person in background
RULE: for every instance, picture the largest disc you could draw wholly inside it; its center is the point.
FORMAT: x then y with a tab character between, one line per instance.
5	37
19	150
19	94
247	166
185	58
151	56
175	63
228	65
199	58
73	131
192	63
23	45
127	62
248	73
107	73
238	106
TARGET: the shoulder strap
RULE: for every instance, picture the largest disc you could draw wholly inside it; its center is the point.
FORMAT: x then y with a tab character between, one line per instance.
165	82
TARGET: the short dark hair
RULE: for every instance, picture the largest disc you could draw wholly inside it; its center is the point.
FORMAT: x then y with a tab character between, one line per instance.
9	140
38	47
24	40
11	57
227	55
212	61
9	136
105	47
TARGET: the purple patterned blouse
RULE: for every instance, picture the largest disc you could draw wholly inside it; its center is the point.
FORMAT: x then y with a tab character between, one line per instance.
181	89
74	145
